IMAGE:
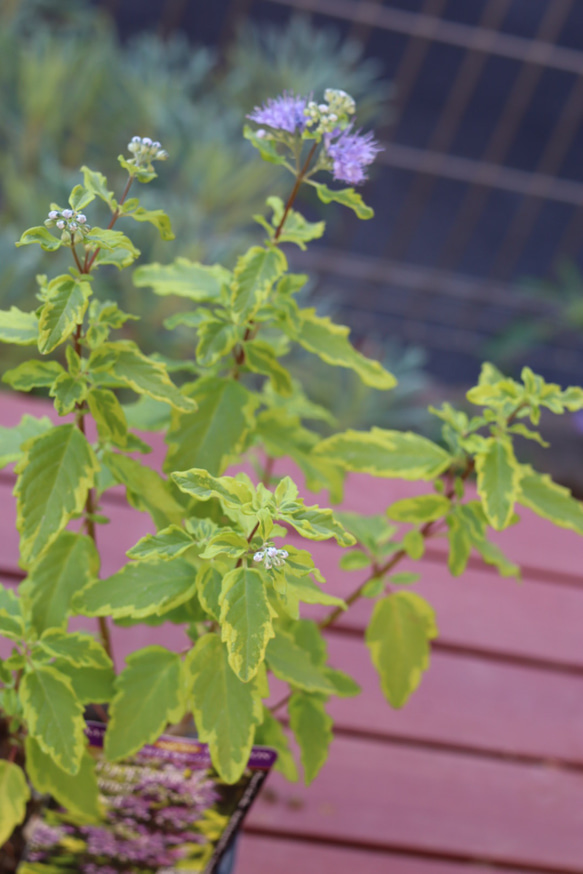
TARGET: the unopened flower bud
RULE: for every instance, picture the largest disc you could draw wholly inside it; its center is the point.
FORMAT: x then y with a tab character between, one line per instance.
53	214
73	225
156	145
67	213
60	224
136	140
81	218
260	133
146	141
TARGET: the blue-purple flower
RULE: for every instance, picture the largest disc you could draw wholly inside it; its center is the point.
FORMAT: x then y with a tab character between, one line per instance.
350	153
285	112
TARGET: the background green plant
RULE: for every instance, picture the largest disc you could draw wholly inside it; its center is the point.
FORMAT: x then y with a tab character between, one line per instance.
221	565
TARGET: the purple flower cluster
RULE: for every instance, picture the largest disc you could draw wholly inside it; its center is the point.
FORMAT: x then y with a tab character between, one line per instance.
286	112
345	152
350	154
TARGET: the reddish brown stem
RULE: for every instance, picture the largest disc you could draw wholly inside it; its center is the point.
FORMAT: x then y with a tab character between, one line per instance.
294	192
89	261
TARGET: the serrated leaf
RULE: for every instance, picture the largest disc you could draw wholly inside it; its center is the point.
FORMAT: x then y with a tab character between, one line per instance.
460	546
414	544
114	247
371	531
209	583
65	305
68	392
344	685
260	358
271	734
329	341
392	454
253	278
296	228
69	564
33	374
226	710
227	543
42	236
139	589
54	716
97	183
156	217
14	794
548	499
80	197
18	327
124	361
283	435
78	647
307	591
498	478
198	282
145	489
213	436
291	663
55	473
12	439
11	620
424	508
149	694
312	728
316	523
79	794
108	415
165	544
346	196
246	625
202	486
354	560
398	635
216	339
91	685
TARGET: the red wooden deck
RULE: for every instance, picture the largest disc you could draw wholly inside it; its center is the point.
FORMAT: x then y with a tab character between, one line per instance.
482	769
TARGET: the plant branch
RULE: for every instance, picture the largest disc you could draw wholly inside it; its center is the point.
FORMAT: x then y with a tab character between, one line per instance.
89	260
427	530
294	192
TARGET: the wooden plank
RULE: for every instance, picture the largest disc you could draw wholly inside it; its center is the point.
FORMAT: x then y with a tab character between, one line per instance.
396	798
532	620
469	703
258	854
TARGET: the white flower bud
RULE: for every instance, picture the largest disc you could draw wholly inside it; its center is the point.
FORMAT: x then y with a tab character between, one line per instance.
61	224
260	133
73	225
146	141
53	214
156	145
67	213
136	140
81	218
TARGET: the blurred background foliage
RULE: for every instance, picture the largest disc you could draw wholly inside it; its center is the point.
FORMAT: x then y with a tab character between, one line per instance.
73	93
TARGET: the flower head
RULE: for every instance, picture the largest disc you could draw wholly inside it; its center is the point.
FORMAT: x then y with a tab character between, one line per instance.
350	153
271	556
285	113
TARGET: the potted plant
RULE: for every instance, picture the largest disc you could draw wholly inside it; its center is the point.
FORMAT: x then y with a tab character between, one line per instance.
220	564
